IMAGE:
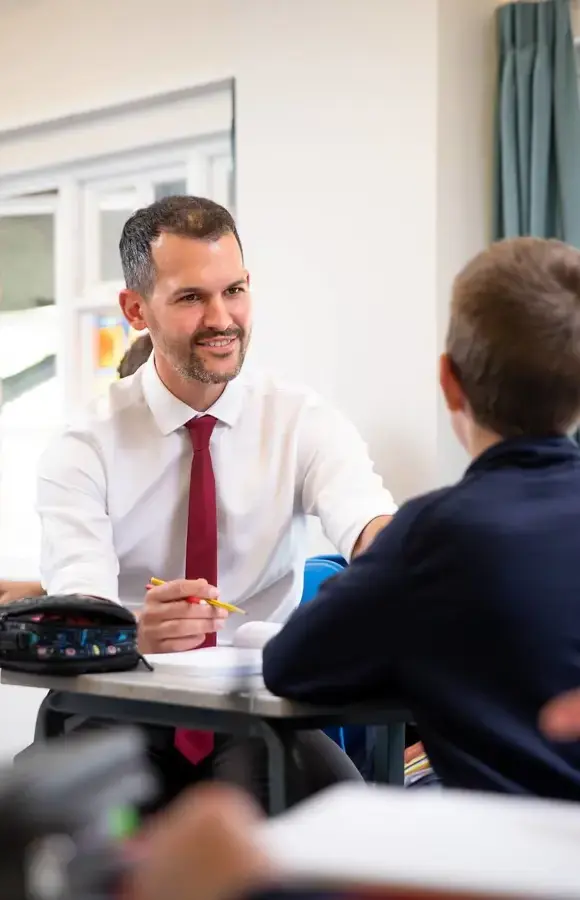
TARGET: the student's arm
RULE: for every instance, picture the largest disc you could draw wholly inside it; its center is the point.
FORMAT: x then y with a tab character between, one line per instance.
341	646
77	550
338	480
17	590
204	847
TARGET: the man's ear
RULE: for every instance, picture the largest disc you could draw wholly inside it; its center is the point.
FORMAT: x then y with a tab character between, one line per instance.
454	396
131	304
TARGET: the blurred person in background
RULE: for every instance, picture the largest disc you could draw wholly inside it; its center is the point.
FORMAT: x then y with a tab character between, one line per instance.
134	357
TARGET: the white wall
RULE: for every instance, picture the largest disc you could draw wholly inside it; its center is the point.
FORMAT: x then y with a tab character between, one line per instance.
336	173
356	145
465	84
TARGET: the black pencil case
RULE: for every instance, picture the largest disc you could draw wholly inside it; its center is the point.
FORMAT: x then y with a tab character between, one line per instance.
67	635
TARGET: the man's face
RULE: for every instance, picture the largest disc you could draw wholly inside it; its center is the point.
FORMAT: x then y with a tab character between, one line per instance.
199	313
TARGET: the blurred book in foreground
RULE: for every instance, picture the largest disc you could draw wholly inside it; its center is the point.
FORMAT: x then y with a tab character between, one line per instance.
425	843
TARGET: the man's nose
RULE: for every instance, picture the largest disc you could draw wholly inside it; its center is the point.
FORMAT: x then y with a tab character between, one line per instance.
216	315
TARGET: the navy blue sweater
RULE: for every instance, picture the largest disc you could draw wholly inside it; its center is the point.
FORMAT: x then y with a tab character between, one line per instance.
466	607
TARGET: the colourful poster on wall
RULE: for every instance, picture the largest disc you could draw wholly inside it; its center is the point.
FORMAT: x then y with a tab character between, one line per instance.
111	340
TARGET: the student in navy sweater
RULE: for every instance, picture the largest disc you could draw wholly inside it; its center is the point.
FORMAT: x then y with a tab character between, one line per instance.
467	606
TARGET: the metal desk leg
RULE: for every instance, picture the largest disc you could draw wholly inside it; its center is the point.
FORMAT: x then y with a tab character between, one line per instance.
278	757
390	754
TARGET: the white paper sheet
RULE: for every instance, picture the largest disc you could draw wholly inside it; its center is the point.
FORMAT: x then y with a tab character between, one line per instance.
232	661
482	844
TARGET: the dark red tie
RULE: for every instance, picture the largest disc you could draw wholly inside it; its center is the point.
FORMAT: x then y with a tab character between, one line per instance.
200	553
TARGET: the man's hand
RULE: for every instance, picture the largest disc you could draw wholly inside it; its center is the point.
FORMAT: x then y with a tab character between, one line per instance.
16	590
560	719
169	623
202	848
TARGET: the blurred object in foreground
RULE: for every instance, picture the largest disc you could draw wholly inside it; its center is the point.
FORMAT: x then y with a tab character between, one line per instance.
66	813
452	844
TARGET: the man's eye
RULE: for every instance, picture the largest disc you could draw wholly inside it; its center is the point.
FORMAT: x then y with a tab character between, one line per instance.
239	289
190	298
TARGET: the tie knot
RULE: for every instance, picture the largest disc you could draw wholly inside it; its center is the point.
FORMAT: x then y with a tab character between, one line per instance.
200	430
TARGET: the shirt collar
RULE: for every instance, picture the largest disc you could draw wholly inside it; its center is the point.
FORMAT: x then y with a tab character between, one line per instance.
170	413
527	453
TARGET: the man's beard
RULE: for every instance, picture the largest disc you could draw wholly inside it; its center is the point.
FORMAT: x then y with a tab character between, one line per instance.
194	369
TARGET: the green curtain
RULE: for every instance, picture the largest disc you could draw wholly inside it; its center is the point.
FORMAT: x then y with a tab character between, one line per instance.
537	183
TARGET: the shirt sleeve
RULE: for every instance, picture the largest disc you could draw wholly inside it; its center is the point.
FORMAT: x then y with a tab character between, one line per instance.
77	548
339	484
342	647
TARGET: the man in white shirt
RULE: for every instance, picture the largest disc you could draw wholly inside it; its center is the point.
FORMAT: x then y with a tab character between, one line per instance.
113	490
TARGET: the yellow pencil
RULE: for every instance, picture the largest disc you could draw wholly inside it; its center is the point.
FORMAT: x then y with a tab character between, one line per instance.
219	604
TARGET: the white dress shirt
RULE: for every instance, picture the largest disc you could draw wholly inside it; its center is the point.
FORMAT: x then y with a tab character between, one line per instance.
113	492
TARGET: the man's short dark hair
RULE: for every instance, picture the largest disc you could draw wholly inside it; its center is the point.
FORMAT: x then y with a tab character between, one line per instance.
190	217
514	337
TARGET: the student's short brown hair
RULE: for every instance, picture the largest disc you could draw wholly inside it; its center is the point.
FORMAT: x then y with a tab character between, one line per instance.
138	353
514	337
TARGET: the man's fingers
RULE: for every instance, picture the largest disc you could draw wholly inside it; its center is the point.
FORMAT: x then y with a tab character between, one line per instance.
180	645
185	628
182	588
174	635
169	623
181	609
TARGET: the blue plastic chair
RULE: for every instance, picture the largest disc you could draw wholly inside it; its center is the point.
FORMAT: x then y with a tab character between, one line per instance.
316	571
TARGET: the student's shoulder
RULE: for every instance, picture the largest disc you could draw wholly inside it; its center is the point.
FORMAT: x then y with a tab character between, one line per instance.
424	509
443	516
96	426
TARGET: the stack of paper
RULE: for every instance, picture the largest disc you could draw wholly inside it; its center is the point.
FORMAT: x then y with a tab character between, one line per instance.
233	662
242	659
